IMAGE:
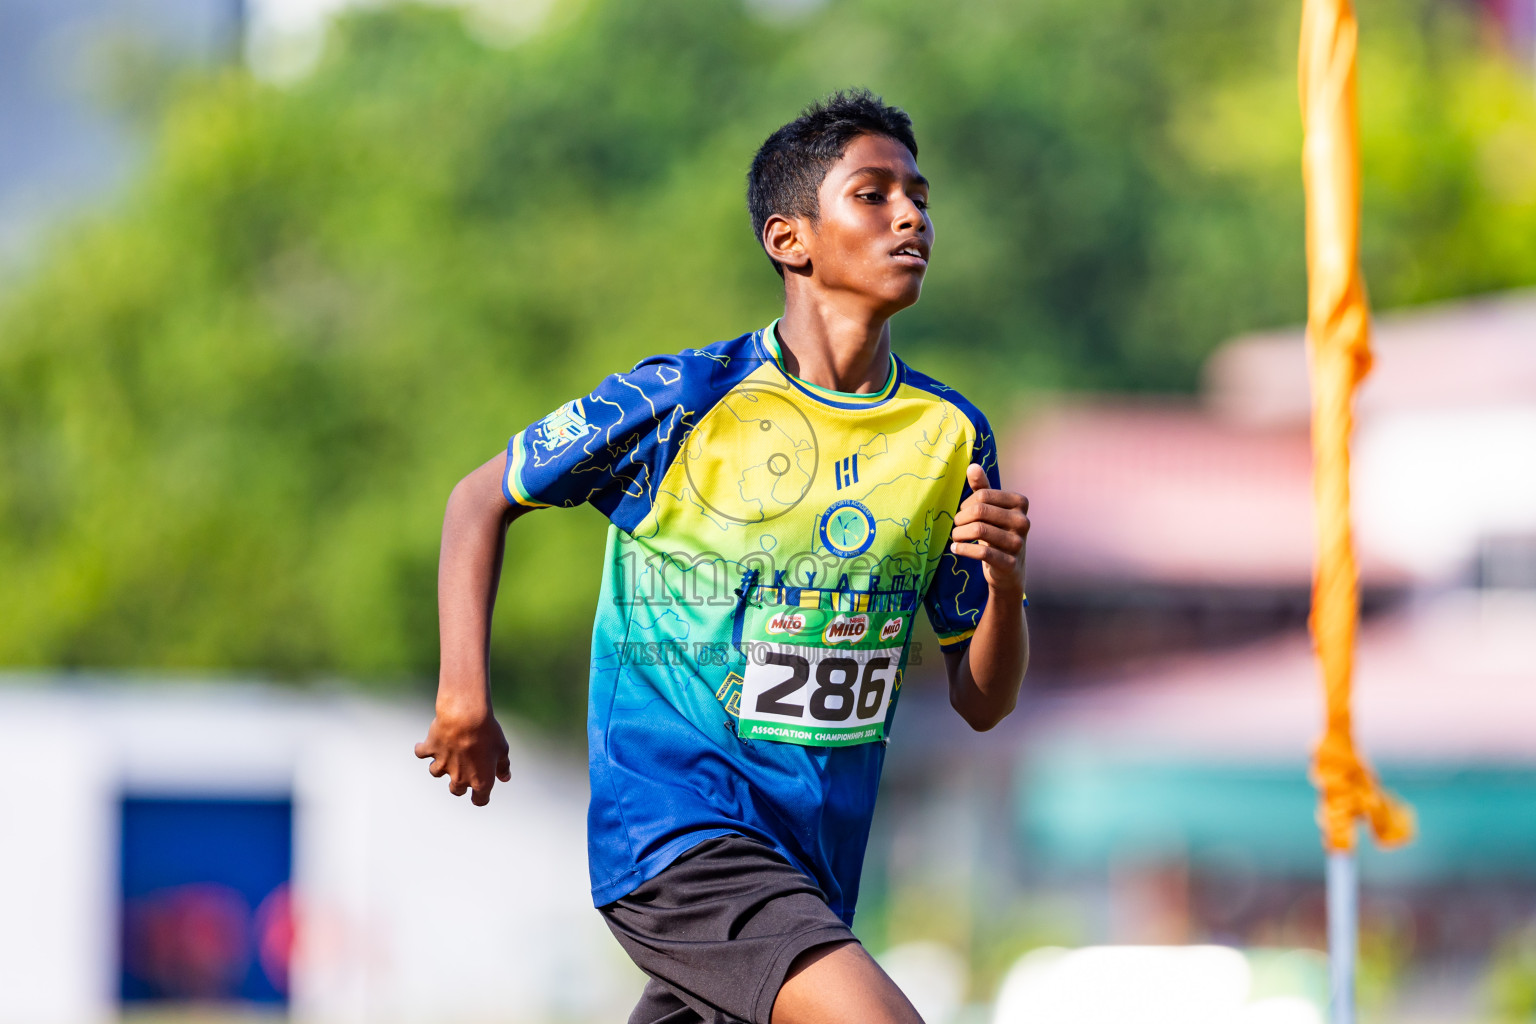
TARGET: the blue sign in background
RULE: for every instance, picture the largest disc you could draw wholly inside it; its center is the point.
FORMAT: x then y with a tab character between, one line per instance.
205	913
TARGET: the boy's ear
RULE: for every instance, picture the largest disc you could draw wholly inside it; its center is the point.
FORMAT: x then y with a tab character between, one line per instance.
784	238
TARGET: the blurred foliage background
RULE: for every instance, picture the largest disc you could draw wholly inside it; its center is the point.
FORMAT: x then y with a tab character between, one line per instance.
233	404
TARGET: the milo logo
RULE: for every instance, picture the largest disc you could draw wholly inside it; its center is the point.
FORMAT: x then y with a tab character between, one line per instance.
848	629
892	629
786	622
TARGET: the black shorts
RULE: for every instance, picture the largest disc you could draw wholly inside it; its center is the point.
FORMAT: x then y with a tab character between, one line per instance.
717	931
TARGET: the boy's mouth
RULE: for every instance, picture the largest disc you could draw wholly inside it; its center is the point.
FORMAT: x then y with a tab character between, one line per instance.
914	254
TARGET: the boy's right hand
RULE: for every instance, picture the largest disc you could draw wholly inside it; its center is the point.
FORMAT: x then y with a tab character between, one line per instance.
468	746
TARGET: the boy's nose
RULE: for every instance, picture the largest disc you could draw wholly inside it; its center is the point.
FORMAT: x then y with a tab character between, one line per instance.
909	216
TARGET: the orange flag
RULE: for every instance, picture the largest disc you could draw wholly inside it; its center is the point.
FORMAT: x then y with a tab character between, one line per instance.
1339	355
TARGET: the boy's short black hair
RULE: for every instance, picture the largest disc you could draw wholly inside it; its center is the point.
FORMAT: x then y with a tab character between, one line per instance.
789	168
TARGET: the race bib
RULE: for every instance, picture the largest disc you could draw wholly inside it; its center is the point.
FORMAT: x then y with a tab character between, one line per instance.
819	677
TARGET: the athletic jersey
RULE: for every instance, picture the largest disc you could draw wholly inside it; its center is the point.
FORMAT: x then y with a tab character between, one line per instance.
770	543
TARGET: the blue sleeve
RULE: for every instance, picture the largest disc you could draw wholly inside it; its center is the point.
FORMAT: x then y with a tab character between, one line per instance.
613	447
957	595
610	447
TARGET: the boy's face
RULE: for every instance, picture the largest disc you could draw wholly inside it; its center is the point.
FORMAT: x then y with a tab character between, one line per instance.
873	235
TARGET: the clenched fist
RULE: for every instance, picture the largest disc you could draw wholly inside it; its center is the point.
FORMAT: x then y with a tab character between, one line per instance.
468	746
991	527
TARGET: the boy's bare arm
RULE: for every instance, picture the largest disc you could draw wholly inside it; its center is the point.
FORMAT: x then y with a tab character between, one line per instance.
984	679
464	740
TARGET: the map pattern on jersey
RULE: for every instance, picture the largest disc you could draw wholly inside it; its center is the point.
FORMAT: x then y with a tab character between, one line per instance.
770	544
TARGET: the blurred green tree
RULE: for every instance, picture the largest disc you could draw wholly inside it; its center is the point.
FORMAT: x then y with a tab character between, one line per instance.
231	407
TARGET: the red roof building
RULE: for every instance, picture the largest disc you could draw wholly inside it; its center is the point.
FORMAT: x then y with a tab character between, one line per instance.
1165	525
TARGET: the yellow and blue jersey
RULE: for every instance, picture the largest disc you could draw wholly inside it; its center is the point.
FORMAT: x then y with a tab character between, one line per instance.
770	543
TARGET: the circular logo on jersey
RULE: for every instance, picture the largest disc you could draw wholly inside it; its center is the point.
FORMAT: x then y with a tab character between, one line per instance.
755	461
847	529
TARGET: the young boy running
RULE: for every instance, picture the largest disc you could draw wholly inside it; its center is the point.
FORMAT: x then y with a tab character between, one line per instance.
781	503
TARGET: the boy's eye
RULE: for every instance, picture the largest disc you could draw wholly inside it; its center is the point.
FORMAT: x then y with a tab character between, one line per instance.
871	197
921	202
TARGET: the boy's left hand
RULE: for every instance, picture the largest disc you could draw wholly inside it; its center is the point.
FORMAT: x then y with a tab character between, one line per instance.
991	527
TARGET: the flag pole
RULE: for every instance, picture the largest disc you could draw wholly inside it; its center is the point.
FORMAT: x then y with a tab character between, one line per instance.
1343	935
1339	357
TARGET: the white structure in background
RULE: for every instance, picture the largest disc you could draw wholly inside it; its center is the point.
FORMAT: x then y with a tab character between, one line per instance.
1141	985
412	905
1445	458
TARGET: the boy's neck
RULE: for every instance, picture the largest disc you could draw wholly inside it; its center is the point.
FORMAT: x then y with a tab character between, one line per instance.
825	343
